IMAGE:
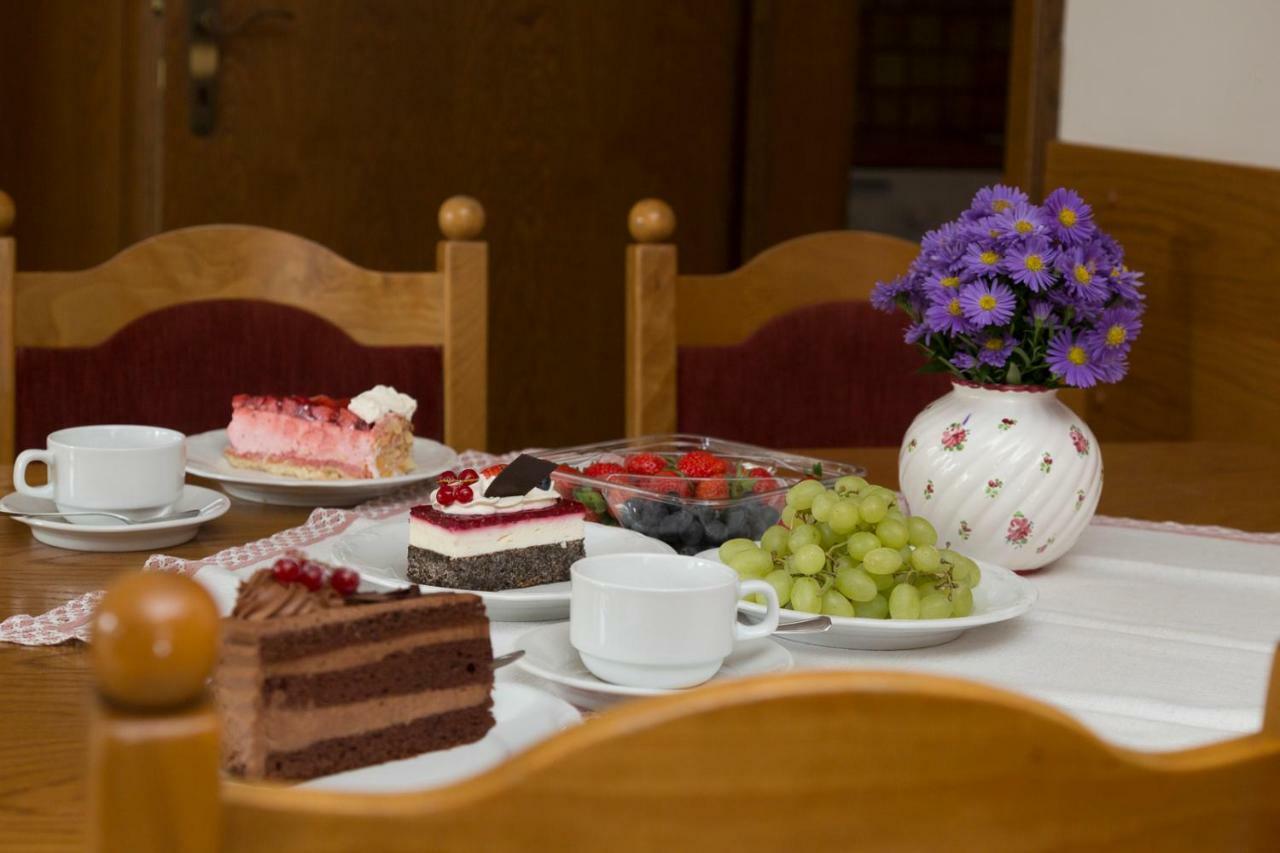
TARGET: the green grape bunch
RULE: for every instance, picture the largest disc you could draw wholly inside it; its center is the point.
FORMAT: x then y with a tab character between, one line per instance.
850	551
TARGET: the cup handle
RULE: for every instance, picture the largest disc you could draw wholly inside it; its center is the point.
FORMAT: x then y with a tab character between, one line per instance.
20	464
770	623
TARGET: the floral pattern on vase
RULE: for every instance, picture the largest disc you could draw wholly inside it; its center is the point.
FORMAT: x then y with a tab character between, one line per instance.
1023	495
1007	424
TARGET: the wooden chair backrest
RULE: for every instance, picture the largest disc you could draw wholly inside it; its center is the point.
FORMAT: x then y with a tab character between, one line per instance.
666	310
822	760
83	308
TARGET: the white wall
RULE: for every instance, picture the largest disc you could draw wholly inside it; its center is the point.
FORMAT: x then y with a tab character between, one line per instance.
1191	78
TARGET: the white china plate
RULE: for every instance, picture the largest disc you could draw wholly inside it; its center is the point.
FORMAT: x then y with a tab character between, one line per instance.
549	656
1002	595
205	459
112	535
380	554
523	716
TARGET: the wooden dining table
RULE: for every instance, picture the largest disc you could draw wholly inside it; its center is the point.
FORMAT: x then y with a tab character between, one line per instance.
45	691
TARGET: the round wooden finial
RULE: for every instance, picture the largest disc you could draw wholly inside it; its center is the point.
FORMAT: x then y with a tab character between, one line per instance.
7	212
155	640
461	218
651	221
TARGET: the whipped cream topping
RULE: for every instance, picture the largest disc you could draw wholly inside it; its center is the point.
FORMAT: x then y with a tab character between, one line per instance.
536	498
381	400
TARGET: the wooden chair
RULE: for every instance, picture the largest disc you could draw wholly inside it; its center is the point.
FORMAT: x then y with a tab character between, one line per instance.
168	329
813	760
784	351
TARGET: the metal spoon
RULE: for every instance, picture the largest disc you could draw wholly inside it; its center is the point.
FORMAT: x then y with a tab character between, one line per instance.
509	657
814	625
190	513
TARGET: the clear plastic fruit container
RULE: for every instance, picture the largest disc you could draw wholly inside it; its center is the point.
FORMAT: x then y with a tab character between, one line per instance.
690	513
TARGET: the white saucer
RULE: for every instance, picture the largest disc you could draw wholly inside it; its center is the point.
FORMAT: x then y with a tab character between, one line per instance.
549	656
380	554
523	716
1002	595
205	459
112	535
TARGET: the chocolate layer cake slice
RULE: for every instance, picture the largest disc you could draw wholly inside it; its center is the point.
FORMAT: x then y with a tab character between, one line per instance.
468	537
312	683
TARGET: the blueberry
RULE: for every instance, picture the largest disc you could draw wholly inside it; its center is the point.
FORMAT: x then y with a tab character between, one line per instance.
669	528
692	532
690	550
717	532
738	528
704	513
735	516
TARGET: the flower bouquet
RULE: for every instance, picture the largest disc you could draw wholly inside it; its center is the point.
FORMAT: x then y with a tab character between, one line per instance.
1014	300
1014	293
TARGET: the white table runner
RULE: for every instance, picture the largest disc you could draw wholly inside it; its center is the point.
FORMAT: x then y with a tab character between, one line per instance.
1155	636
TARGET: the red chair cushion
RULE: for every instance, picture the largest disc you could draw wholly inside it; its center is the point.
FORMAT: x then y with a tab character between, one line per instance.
832	375
180	366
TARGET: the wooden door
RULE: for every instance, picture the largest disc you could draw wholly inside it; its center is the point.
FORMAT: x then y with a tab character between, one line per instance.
352	122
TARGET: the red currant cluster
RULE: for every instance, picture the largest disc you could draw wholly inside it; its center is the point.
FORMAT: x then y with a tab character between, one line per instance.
313	576
456	488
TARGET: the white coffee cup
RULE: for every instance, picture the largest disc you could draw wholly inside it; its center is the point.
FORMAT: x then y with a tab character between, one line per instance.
137	471
658	620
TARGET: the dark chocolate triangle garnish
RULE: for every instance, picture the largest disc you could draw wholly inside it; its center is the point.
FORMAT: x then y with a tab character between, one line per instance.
520	477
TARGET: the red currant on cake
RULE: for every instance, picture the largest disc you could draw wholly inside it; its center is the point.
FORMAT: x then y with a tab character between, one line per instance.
463	494
286	570
447	478
312	575
447	494
467	476
344	581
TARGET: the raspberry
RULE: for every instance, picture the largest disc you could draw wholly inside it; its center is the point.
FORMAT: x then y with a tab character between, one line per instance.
646	463
710	490
700	463
344	581
493	470
602	470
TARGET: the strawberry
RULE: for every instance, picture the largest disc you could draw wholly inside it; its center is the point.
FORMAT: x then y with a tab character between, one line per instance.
665	482
646	463
602	470
710	490
700	463
562	486
762	481
493	470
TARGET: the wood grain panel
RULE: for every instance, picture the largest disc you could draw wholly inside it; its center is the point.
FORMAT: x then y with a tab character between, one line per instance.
1035	74
1207	365
350	125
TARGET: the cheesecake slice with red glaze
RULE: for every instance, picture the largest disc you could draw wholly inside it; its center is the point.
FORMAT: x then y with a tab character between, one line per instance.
322	438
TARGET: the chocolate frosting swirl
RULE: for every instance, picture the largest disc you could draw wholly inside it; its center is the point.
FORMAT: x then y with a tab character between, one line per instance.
263	597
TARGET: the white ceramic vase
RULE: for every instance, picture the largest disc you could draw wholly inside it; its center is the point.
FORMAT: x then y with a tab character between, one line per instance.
1007	474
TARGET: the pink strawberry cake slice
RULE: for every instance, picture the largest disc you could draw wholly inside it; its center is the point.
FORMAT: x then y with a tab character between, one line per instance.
322	438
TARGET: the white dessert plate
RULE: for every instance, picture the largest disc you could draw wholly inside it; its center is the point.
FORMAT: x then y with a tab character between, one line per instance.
113	535
1002	595
205	459
522	715
549	655
380	554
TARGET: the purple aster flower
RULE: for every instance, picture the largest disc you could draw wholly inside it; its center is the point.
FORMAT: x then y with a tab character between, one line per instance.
1081	275
884	296
987	304
946	316
996	350
915	333
945	244
1125	283
942	284
995	199
1031	263
963	360
1071	359
981	260
1042	311
1112	365
1020	220
1071	220
1115	330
